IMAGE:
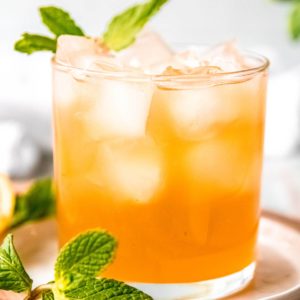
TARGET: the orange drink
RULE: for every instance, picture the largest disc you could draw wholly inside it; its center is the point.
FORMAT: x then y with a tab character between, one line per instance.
170	164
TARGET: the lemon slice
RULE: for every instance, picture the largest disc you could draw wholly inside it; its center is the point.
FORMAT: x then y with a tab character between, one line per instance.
7	202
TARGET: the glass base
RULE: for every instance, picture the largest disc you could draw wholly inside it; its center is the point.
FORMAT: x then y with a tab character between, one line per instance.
204	290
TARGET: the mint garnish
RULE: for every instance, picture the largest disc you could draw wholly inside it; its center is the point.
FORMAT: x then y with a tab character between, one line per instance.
76	268
30	43
102	289
294	18
123	29
294	21
59	22
48	295
87	255
36	204
13	276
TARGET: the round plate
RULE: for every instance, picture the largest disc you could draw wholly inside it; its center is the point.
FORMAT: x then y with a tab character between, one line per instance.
278	269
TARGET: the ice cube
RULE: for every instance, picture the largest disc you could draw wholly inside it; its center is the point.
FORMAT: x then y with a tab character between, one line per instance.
207	70
86	53
107	63
117	108
149	49
226	56
186	62
186	59
129	169
195	114
77	51
189	58
219	166
170	71
66	89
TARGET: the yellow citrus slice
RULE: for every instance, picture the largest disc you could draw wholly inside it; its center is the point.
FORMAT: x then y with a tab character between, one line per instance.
7	202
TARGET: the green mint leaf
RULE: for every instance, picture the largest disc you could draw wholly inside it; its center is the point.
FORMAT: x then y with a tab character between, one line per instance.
30	43
87	254
291	1
36	204
103	289
59	22
294	22
13	276
47	295
123	28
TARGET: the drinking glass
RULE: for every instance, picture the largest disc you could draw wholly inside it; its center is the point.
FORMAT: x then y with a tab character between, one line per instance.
168	164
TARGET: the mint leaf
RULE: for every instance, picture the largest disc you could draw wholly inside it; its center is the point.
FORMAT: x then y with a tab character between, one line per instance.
48	295
13	276
59	21
103	289
123	29
87	254
36	204
30	43
77	264
294	22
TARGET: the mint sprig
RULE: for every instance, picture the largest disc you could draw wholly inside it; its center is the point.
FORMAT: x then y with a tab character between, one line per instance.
121	31
77	265
123	28
36	204
75	272
13	276
58	22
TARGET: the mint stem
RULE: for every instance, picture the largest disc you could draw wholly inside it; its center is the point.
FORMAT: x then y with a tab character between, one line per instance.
38	291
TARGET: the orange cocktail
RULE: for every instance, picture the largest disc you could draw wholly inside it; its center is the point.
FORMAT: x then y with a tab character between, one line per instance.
169	164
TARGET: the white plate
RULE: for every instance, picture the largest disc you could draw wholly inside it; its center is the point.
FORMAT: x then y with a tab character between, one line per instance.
277	275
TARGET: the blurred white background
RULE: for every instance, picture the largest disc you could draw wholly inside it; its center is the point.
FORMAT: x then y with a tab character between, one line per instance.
261	25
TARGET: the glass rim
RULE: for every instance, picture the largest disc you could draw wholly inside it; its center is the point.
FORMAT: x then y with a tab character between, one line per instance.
184	78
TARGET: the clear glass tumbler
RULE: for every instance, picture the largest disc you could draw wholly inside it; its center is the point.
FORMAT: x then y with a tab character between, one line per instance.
171	166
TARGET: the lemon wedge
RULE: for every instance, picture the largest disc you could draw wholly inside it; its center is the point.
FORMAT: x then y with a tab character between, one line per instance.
7	202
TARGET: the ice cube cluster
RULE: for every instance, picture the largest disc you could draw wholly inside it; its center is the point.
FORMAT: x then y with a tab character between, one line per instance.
117	106
150	54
